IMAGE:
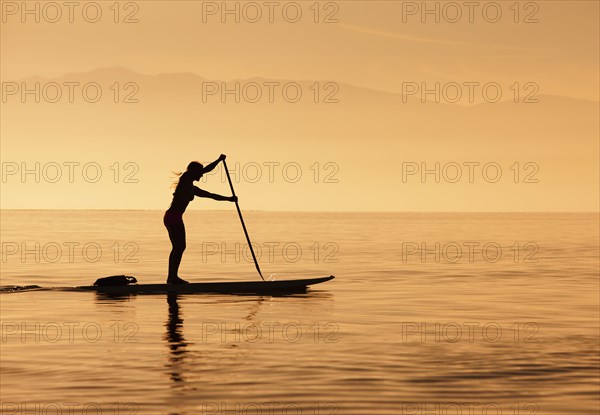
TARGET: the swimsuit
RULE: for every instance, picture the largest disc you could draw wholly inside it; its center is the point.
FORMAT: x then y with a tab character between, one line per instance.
172	217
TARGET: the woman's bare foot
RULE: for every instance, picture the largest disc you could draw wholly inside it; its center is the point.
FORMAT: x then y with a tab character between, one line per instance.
176	280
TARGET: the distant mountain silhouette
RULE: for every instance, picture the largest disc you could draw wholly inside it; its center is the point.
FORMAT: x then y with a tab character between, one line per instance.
168	83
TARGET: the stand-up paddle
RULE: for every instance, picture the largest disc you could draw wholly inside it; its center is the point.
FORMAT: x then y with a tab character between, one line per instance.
242	220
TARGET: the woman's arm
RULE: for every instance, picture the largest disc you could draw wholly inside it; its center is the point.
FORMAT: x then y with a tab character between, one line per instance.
212	165
203	193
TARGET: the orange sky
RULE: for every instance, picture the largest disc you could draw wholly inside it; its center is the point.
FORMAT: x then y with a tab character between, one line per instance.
367	48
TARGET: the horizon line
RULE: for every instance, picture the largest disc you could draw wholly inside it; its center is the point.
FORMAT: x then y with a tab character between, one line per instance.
310	211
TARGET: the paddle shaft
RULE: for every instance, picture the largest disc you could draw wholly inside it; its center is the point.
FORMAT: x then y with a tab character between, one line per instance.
242	220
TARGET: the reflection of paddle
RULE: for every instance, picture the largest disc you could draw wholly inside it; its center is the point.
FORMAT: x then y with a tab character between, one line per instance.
242	220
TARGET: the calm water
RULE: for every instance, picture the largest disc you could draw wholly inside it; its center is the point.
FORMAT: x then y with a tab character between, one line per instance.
451	328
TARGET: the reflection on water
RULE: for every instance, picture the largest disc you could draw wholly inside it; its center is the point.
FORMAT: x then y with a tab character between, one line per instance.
111	298
175	340
178	346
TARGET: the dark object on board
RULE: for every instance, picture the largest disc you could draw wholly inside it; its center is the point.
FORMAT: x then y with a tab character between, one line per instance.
115	281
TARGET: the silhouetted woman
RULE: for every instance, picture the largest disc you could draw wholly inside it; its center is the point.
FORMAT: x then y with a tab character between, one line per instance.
173	219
